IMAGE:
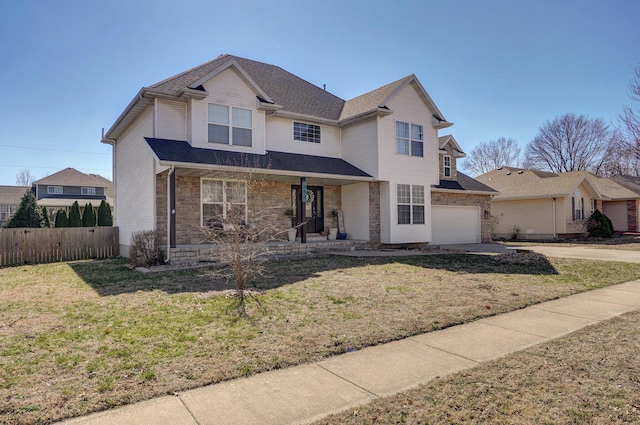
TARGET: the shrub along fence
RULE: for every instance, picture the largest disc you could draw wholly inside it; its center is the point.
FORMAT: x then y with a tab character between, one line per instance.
28	246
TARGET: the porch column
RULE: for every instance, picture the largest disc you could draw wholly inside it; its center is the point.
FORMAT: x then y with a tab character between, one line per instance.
303	212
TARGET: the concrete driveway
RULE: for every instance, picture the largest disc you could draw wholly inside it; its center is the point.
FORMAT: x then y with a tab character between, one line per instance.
558	251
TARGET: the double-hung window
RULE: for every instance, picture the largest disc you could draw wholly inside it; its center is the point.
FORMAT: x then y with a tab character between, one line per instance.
410	201
409	139
88	190
54	190
229	125
306	132
578	205
223	201
446	165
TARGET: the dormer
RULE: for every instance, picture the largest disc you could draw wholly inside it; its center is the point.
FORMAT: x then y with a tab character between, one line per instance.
449	152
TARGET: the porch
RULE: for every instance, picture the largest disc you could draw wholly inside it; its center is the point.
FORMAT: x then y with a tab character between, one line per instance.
275	249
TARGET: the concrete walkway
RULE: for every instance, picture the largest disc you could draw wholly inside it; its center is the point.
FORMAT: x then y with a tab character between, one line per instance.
302	394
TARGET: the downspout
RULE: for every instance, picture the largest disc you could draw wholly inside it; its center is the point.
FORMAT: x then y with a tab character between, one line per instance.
170	212
555	235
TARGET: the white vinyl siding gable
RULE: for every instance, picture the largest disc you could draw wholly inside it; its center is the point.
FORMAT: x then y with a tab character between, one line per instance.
280	137
228	89
171	120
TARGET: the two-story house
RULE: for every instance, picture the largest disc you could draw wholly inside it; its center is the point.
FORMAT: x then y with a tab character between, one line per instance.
184	149
61	189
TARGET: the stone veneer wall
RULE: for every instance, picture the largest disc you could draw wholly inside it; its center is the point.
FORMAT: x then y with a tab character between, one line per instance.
454	165
374	212
464	199
269	199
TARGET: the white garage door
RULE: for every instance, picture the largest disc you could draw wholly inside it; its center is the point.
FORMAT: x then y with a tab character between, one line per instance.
451	225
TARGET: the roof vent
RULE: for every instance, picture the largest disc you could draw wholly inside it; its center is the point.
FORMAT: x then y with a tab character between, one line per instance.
509	173
520	172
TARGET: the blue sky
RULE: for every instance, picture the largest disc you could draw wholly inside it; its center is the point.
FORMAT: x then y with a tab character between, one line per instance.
494	68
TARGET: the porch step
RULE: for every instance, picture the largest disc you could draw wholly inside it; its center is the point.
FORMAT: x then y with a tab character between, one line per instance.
314	237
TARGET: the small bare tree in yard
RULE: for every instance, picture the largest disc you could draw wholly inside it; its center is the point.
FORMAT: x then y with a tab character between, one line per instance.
239	235
24	178
569	143
493	154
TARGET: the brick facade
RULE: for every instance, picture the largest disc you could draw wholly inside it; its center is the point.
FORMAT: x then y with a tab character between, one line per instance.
454	167
374	212
269	199
465	199
632	215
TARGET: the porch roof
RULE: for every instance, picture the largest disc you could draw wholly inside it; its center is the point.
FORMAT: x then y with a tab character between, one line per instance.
182	153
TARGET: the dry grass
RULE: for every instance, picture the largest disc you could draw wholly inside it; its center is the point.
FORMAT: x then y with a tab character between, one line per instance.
76	338
589	377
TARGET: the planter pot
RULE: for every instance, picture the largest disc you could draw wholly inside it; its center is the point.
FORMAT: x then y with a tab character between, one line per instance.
333	232
291	234
342	236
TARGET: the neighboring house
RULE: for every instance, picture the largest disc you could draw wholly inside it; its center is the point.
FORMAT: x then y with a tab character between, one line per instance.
543	205
618	209
60	190
10	197
460	205
184	148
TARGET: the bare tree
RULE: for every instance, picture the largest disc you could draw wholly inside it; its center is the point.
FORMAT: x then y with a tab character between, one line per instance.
24	178
620	158
569	143
493	154
629	120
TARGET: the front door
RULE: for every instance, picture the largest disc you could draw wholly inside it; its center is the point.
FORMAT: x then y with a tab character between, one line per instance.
314	207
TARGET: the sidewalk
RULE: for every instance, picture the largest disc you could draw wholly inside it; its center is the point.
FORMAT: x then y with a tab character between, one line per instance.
302	394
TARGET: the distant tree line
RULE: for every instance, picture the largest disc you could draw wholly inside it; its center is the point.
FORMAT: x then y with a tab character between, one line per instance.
30	215
571	142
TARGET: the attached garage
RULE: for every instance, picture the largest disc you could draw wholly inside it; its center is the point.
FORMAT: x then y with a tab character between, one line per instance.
617	213
455	224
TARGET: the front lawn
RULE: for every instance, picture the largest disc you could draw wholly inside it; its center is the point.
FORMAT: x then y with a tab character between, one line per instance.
81	337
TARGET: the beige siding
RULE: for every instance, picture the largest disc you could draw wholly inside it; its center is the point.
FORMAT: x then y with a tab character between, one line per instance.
355	207
227	88
134	179
360	146
534	218
171	120
617	213
280	138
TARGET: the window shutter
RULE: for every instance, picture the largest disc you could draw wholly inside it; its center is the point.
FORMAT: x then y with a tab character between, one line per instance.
573	208
582	205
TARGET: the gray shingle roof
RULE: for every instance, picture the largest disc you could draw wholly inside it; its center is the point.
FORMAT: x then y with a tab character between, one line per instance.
72	177
465	183
284	88
522	184
12	195
183	152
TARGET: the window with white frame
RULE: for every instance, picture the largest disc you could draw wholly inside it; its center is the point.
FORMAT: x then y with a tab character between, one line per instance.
446	165
410	202
88	190
229	125
54	190
306	132
409	139
577	203
6	211
223	201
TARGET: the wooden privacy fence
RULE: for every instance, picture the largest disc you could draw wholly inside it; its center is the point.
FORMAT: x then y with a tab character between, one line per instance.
27	246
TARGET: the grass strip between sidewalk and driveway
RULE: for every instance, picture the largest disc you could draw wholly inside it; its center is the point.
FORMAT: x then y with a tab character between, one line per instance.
82	337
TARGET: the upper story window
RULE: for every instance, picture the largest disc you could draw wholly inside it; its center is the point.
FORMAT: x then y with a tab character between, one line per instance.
409	139
229	125
306	132
54	190
88	190
410	202
446	165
